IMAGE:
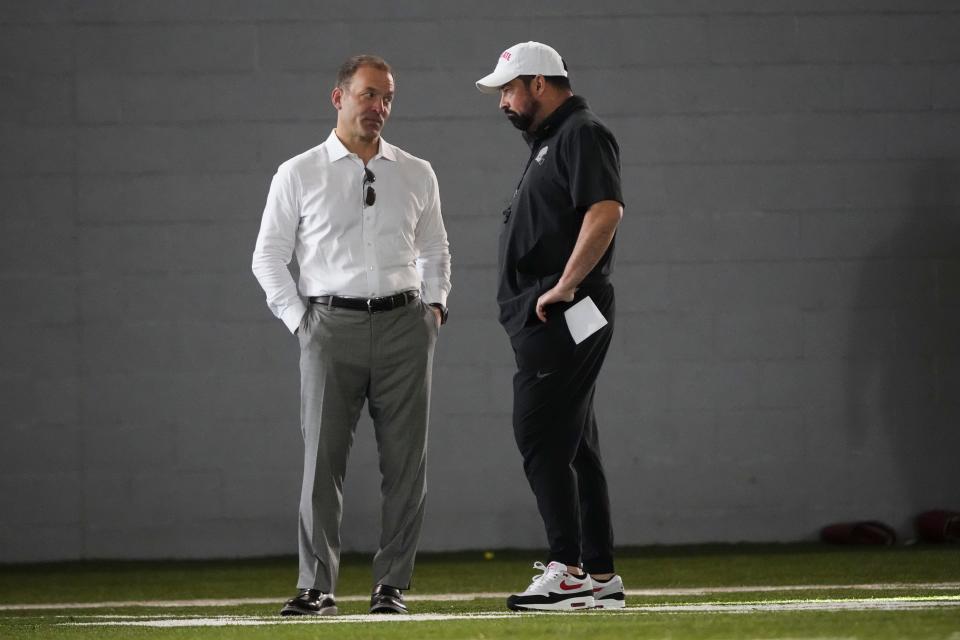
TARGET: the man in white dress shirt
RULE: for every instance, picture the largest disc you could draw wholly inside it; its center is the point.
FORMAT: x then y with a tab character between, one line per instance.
363	219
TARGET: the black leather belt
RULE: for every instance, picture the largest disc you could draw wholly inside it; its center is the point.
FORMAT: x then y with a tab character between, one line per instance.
370	305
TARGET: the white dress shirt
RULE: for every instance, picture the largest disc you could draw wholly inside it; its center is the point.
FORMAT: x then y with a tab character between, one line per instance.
315	208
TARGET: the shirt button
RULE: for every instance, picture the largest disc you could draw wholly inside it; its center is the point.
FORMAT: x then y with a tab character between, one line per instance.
371	268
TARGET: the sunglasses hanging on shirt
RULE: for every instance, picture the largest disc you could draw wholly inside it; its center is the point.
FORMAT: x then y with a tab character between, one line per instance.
370	197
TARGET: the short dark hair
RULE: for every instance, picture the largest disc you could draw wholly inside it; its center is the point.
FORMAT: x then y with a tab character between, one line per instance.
560	82
351	64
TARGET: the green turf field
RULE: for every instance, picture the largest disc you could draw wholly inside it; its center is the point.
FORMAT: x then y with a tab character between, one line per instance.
741	592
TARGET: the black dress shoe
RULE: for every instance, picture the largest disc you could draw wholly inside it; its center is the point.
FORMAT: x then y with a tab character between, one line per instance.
387	599
310	602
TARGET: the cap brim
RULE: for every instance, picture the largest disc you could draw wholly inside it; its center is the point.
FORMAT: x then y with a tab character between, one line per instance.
493	82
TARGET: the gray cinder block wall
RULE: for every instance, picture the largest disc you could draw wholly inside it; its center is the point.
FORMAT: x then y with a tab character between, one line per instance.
788	275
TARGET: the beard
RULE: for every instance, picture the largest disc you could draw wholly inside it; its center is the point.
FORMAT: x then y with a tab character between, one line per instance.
370	127
524	119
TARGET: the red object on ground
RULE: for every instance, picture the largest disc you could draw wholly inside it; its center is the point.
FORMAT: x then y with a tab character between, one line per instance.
866	532
939	525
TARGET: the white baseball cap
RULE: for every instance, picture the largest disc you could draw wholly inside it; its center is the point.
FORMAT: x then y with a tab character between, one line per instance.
523	59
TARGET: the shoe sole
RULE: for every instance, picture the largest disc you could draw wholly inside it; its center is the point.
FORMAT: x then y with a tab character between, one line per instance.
610	603
326	611
570	604
385	606
388	606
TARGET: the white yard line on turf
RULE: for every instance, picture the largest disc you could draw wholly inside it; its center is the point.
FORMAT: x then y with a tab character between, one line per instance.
248	621
706	591
853	604
446	597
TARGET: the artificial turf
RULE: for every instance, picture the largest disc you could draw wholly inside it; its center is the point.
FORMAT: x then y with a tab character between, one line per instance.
646	567
881	625
642	568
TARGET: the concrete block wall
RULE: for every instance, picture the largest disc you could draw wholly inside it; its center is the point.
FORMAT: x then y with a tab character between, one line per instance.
787	272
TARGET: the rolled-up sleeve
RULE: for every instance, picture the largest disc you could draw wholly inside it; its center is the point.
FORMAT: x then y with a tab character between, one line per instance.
275	246
433	250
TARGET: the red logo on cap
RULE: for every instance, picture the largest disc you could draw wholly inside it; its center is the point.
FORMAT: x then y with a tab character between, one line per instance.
505	55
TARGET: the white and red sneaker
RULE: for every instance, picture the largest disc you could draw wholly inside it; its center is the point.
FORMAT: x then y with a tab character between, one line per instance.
609	594
554	590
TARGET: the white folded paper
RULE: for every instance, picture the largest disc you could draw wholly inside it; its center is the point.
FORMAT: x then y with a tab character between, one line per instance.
584	319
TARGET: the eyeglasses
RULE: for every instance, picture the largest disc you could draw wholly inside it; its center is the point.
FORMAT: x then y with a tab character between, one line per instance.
371	196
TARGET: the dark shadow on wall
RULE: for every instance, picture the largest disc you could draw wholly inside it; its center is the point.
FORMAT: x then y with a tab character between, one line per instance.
902	368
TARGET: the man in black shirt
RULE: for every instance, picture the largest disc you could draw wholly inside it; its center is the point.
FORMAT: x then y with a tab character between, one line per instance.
556	249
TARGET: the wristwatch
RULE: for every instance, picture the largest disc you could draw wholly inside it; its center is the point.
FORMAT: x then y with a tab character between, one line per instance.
443	312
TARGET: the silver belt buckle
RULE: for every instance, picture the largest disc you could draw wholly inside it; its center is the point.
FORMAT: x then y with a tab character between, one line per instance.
369	305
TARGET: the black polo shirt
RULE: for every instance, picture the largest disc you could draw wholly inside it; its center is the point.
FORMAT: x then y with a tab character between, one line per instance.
574	163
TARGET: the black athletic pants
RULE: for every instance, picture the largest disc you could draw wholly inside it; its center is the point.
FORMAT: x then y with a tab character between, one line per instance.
556	432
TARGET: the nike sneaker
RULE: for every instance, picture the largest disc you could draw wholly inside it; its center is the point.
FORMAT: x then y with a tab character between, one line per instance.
554	590
609	594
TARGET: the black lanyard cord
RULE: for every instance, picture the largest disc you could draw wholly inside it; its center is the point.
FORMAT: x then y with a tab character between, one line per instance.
509	209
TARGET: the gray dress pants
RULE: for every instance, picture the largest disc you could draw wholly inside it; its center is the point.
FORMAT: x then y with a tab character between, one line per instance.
348	357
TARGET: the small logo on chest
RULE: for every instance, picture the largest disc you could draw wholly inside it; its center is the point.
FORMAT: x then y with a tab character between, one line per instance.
542	155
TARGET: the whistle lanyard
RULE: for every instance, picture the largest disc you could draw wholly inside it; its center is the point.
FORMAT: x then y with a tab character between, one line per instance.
509	209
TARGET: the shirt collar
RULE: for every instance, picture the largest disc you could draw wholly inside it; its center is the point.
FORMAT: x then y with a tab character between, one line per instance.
387	151
555	119
337	151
